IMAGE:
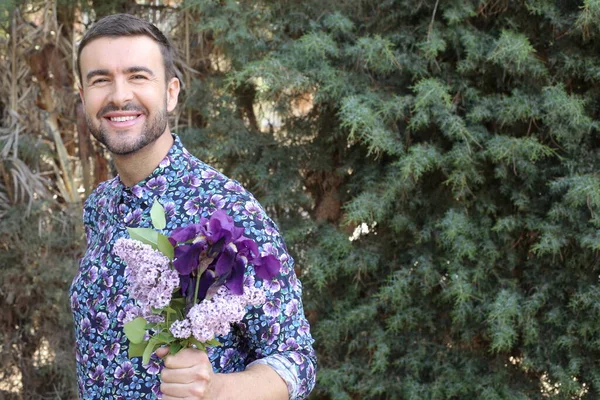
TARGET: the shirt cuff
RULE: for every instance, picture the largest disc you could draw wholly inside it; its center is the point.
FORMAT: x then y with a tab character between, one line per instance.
285	369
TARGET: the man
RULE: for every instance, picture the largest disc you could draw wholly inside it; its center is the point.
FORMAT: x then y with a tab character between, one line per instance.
128	86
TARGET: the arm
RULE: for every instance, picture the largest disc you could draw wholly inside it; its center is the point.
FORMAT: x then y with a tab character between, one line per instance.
189	374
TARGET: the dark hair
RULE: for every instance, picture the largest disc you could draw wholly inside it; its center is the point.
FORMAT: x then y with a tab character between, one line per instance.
118	25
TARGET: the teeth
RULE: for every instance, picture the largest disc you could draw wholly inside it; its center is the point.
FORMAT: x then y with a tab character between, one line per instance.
122	119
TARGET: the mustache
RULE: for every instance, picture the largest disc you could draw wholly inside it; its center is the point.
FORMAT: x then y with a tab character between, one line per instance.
127	107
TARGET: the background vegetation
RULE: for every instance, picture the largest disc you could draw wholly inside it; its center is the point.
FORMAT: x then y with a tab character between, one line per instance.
434	166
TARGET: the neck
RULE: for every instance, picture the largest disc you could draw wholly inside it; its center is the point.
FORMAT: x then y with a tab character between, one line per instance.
135	167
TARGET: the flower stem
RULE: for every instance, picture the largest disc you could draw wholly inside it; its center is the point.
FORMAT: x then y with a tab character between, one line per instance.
196	291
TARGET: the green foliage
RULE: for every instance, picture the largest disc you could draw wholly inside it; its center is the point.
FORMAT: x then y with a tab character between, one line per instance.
441	193
38	254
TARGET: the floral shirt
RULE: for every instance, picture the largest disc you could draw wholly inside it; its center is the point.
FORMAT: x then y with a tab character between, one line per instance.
276	334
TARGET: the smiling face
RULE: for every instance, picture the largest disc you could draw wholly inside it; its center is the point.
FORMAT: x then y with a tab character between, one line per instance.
124	91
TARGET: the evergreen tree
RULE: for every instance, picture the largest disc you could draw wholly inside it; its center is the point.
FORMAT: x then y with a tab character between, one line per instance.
434	167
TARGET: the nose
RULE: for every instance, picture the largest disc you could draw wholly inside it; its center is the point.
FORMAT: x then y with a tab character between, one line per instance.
121	93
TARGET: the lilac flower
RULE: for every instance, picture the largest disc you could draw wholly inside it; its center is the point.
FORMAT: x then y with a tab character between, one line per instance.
181	329
211	318
151	280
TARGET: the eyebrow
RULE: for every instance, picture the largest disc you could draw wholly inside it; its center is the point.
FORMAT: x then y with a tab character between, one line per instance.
105	72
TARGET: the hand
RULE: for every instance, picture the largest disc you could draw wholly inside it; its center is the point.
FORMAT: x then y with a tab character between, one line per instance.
187	375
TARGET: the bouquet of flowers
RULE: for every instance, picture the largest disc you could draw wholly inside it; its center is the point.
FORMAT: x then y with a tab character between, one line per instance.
188	287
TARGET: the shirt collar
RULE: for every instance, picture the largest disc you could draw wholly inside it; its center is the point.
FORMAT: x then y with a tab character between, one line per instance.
167	173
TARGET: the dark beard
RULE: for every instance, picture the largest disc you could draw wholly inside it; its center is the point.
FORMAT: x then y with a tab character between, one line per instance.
151	130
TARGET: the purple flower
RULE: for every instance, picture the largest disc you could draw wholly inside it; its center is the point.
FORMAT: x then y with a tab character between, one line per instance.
157	184
165	162
112	350
102	323
227	357
272	285
252	207
181	329
208	174
192	206
271	335
107	278
291	308
191	180
217	201
114	302
169	207
297	357
97	375
153	366
74	301
124	371
137	191
272	308
234	187
290	344
304	328
134	217
85	326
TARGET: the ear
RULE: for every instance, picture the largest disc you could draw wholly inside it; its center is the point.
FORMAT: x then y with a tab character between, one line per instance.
81	95
173	89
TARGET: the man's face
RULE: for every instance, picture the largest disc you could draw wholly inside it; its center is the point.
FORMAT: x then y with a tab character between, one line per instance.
124	91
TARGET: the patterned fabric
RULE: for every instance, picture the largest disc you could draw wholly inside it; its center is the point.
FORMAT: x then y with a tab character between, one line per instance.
276	334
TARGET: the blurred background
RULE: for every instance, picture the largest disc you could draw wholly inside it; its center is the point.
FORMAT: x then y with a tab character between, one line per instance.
433	165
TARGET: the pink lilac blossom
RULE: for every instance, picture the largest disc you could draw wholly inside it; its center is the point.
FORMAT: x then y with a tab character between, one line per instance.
213	317
151	279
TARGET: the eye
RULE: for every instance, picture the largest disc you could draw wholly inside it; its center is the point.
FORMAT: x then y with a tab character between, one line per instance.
138	77
99	81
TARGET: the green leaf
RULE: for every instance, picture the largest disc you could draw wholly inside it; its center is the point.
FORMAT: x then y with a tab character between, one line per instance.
135	330
157	215
145	235
165	337
137	349
197	343
153	344
174	348
214	343
165	247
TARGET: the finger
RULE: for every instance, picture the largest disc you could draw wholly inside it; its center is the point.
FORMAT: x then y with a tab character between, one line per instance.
186	358
183	391
162	351
196	373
